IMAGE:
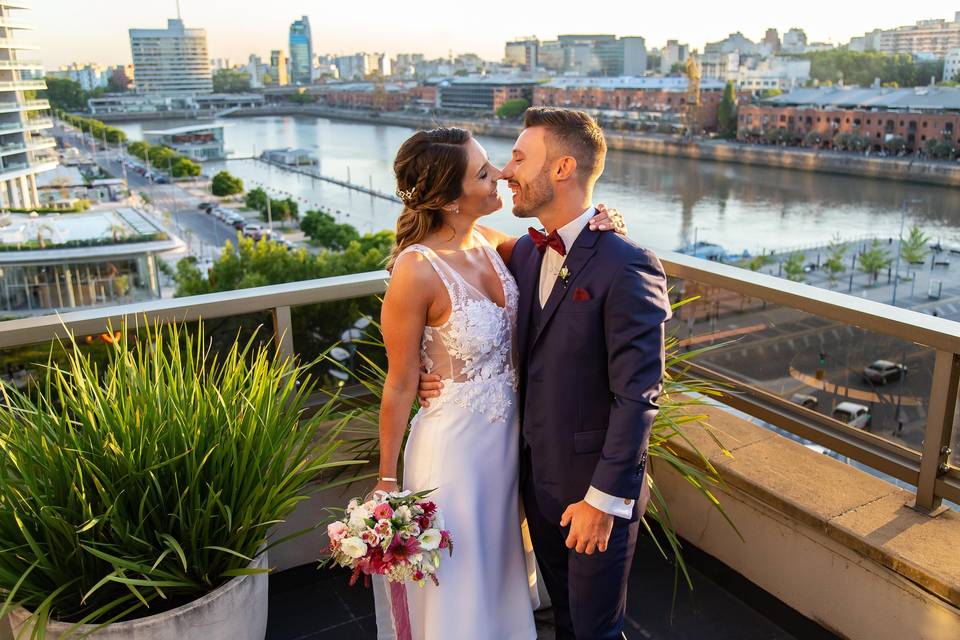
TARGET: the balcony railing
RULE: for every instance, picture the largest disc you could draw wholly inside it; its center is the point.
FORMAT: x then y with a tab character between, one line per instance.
26	105
927	467
21	64
23	84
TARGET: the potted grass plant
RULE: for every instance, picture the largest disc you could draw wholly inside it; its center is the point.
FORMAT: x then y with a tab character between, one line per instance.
136	496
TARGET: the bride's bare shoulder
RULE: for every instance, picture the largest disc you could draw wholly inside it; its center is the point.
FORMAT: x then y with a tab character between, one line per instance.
412	274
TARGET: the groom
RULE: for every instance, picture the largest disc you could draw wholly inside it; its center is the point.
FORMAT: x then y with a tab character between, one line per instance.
590	343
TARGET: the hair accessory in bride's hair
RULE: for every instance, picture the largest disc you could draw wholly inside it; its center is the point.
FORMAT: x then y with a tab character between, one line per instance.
407	195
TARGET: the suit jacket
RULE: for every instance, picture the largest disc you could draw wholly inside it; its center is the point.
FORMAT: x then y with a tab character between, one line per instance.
591	370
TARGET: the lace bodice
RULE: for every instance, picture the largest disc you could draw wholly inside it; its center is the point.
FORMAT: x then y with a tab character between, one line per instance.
473	351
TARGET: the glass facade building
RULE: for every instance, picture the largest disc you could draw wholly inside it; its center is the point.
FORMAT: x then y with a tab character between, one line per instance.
301	51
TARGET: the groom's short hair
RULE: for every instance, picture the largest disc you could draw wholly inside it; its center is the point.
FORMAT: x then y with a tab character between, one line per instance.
575	133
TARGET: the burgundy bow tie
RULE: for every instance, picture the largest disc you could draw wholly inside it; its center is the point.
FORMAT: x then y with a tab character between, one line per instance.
543	241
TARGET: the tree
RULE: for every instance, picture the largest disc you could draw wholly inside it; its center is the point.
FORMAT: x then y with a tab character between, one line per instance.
324	231
727	112
862	68
66	94
184	168
895	145
913	249
874	259
284	209
513	109
250	264
835	262
677	69
812	139
256	199
230	81
138	149
226	184
793	267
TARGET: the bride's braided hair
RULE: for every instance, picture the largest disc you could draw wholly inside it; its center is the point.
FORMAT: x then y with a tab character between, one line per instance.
429	168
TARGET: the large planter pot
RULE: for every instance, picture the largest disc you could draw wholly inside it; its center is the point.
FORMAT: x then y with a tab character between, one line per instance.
235	611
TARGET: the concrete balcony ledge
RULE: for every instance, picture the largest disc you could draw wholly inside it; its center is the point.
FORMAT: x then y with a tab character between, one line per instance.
827	539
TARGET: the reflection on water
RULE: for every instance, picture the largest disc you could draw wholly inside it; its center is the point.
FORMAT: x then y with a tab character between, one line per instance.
665	200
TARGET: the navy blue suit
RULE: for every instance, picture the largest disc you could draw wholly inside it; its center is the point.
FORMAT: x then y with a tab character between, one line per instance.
591	370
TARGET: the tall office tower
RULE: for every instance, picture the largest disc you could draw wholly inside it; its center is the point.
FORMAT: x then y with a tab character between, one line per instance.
171	61
301	51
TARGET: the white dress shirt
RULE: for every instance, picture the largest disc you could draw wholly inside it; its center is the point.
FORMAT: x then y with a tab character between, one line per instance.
549	271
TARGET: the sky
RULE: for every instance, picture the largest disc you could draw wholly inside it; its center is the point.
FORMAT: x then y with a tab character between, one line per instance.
96	30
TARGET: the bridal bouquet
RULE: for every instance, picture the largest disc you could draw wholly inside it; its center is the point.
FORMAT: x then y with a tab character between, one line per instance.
398	535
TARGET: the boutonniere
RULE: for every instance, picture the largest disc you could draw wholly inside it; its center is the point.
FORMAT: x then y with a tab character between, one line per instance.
564	275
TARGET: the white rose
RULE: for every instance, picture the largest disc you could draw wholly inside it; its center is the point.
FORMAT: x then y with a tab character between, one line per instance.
429	539
403	513
353	547
359	517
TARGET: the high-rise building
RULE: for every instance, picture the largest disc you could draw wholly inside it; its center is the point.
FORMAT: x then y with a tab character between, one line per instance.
278	67
26	151
772	40
301	52
934	37
89	76
671	54
794	41
171	61
522	53
584	55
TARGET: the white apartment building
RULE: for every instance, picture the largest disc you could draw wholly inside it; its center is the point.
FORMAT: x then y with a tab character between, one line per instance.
672	53
951	65
24	149
935	37
88	76
171	61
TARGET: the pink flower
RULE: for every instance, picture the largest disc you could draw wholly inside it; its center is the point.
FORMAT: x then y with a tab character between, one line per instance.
384	529
336	530
445	539
401	548
369	537
383	512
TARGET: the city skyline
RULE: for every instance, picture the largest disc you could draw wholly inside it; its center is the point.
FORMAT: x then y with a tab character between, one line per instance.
100	34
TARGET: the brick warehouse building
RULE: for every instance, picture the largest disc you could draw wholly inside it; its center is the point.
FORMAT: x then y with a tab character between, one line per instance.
914	115
632	98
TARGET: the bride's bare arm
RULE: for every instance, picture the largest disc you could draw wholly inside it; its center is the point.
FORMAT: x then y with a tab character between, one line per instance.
605	220
405	311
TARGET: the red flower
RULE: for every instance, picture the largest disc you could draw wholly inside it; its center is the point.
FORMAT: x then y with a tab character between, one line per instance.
401	549
445	539
424	522
428	507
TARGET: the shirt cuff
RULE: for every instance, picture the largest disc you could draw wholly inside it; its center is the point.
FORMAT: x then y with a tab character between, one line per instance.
620	507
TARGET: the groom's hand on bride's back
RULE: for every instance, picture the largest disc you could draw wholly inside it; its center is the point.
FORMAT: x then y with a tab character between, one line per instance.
589	527
430	386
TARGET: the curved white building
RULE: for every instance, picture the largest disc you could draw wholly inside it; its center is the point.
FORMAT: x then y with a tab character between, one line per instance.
25	150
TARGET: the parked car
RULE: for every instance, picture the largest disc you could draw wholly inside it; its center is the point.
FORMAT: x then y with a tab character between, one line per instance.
207	207
238	222
252	229
853	414
222	214
281	240
883	371
805	400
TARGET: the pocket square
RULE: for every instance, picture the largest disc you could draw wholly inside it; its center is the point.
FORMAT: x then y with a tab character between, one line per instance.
580	295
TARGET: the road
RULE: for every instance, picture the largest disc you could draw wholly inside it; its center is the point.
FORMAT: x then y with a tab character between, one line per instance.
778	350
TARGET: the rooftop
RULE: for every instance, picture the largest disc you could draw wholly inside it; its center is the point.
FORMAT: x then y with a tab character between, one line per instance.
671	83
916	98
194	128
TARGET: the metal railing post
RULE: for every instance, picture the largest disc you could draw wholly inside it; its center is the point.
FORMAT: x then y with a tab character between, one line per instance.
936	440
283	332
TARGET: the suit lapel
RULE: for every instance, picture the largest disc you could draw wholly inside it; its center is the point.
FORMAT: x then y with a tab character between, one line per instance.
528	284
577	258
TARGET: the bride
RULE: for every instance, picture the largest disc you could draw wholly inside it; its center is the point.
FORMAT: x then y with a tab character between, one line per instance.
451	309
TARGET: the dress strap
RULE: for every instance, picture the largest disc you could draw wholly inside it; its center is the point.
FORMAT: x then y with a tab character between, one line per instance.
447	274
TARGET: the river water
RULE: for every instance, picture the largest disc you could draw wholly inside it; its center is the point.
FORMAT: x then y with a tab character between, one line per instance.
666	201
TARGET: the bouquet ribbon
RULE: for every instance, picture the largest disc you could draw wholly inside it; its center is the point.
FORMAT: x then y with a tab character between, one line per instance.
401	614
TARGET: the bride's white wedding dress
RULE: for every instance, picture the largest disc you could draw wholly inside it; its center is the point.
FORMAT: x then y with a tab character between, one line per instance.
465	446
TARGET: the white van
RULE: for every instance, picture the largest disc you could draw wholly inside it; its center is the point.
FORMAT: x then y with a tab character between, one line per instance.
853	414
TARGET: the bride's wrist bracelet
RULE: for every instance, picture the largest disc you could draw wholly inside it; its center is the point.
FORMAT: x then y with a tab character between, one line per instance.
385	479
